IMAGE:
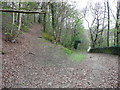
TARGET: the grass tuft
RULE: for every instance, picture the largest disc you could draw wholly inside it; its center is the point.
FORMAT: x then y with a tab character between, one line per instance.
77	57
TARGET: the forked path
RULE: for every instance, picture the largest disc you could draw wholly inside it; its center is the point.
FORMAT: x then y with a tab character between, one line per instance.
34	62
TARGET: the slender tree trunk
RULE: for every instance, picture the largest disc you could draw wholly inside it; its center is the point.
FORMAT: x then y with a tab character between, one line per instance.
27	19
13	13
39	19
103	25
13	18
44	23
44	7
53	20
16	19
91	37
108	23
114	38
34	18
118	22
13	22
20	19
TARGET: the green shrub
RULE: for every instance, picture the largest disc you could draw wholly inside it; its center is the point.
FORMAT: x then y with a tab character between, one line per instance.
8	29
67	51
24	28
9	36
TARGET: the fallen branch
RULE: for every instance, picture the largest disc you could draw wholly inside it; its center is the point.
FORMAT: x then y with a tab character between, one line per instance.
22	11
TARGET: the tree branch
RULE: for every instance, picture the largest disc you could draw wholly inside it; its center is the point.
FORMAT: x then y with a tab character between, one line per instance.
21	11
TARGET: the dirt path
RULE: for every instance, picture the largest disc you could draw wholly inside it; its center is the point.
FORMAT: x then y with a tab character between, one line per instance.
36	63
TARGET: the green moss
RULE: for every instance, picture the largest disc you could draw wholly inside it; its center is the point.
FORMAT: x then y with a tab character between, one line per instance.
108	51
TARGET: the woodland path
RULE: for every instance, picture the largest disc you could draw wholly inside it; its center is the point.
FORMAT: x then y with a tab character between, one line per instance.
34	62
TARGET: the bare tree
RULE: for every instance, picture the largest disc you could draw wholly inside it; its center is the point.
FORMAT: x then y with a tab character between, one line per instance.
97	26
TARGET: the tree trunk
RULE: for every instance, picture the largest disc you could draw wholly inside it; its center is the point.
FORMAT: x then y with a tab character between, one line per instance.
44	23
16	19
27	19
39	19
118	22
20	18
114	38
13	13
103	25
13	22
53	20
13	18
34	18
108	23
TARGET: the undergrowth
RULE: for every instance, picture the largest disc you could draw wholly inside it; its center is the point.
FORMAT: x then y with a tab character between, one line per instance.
73	55
47	37
68	51
24	28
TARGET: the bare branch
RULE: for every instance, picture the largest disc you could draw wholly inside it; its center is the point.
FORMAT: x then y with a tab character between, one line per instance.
21	11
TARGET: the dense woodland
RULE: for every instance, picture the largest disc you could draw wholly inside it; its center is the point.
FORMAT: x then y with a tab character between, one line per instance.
62	23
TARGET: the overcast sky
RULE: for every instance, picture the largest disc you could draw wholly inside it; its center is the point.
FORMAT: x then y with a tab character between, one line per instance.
80	4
